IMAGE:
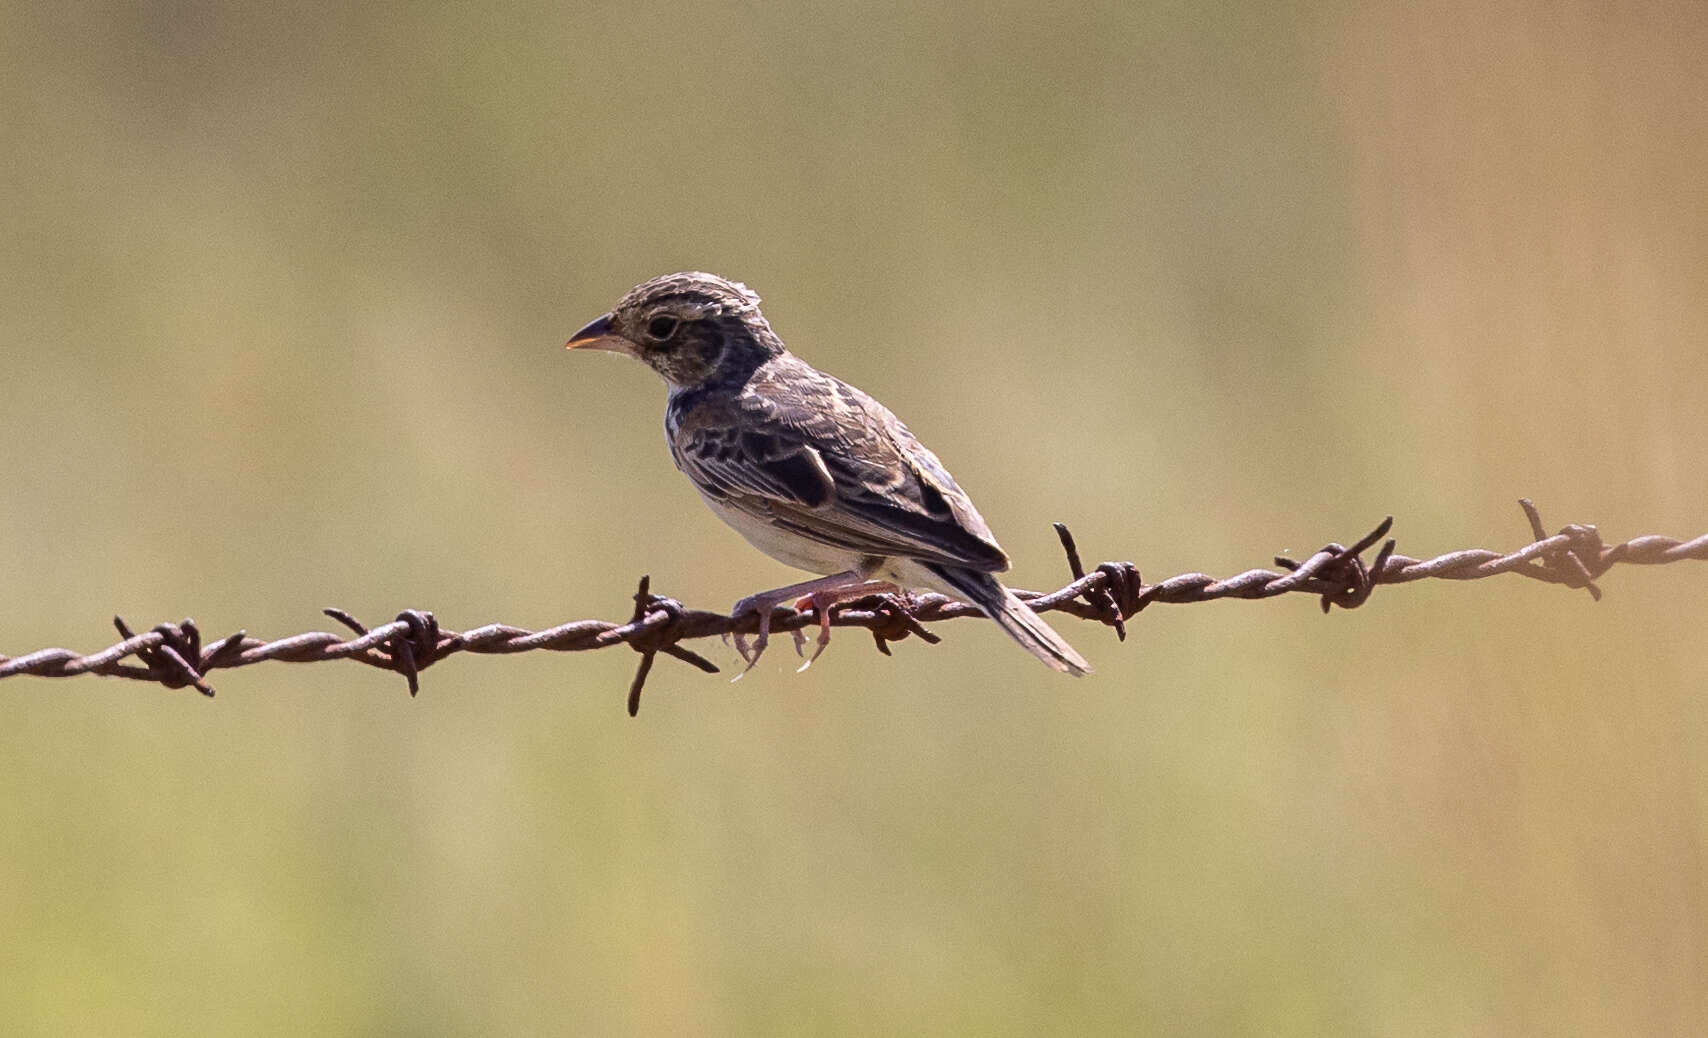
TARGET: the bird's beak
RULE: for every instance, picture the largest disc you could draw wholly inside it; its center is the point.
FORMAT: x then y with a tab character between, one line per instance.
599	336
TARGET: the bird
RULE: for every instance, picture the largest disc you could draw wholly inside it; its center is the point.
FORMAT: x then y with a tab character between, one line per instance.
809	469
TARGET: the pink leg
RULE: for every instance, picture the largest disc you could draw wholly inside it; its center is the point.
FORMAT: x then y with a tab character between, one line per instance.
764	602
821	601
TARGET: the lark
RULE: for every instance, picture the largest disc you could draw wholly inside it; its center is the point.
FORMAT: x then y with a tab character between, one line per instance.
809	469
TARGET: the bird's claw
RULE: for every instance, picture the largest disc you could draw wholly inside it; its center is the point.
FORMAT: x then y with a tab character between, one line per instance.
816	653
823	639
751	656
820	602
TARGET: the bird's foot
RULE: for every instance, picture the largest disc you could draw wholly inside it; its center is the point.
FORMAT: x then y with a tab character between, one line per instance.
821	595
820	603
763	606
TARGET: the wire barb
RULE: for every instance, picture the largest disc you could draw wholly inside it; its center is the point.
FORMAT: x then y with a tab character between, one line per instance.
1112	593
651	638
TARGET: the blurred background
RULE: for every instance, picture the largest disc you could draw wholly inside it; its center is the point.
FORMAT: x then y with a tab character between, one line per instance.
283	293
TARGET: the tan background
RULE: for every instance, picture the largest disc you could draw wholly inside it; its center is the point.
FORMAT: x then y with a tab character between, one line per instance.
282	299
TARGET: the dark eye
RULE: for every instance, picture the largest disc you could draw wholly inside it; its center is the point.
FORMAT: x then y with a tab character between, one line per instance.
660	328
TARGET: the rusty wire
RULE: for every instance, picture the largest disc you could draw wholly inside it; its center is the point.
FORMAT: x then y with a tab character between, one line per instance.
172	654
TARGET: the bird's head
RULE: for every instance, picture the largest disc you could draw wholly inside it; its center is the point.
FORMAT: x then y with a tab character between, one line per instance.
691	328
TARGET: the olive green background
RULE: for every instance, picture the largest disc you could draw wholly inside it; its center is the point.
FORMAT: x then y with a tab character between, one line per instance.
283	294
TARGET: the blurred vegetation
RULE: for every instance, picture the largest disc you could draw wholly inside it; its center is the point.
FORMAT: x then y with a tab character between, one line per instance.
282	297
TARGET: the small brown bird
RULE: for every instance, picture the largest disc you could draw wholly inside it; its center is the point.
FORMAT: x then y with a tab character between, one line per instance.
810	470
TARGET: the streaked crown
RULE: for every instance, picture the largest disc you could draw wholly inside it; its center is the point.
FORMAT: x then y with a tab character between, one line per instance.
691	293
695	328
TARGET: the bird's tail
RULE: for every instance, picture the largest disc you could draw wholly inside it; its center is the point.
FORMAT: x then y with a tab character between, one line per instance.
1015	617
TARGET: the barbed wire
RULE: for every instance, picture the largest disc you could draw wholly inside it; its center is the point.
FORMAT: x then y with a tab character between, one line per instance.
172	654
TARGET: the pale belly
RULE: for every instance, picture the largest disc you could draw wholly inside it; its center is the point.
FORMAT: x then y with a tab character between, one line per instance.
792	549
824	559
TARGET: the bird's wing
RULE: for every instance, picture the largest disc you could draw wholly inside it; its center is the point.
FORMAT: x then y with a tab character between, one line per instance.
817	457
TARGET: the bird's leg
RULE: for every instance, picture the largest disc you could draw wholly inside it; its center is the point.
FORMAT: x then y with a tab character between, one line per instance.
764	602
821	601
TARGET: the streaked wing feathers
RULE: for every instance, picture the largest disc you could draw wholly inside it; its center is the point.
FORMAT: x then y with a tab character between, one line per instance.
817	457
730	462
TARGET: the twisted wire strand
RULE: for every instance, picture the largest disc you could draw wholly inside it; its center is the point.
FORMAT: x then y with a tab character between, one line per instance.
173	655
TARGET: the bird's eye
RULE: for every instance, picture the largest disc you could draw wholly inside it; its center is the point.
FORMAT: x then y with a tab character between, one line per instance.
660	328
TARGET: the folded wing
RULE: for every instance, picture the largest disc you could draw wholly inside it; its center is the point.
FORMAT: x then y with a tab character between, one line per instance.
815	456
